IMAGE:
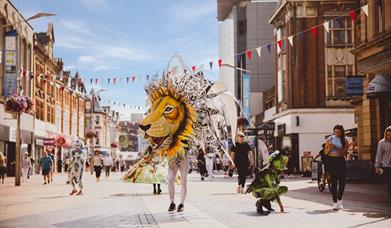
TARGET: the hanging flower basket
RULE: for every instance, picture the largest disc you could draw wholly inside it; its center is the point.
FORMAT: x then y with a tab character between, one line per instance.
16	104
91	134
114	145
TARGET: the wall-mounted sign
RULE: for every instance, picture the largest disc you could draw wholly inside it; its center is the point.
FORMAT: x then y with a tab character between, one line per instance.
48	141
246	93
354	85
10	64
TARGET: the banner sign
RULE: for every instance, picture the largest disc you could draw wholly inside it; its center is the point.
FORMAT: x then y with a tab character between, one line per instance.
10	64
48	141
354	85
246	92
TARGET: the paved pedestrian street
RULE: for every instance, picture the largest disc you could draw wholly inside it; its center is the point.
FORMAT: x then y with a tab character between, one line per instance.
112	203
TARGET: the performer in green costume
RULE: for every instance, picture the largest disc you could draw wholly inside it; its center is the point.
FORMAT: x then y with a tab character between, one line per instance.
266	183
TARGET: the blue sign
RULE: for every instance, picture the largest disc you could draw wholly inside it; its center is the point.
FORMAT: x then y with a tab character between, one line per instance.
10	64
354	85
246	93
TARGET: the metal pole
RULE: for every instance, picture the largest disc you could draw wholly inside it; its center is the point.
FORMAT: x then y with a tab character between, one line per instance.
17	151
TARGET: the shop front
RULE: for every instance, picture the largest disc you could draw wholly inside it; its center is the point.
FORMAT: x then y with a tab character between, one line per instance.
289	143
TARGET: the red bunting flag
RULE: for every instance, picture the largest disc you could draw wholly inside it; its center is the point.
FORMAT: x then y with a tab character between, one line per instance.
133	78
114	79
24	73
220	62
193	68
314	30
353	15
62	87
96	80
248	54
279	43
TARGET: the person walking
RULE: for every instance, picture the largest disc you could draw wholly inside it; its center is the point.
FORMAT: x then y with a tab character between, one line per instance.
51	154
107	162
98	164
3	165
226	165
30	172
209	163
201	164
122	164
46	164
383	158
25	165
336	148
242	157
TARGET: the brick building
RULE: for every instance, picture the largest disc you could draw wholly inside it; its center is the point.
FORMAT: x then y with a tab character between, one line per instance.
373	54
310	75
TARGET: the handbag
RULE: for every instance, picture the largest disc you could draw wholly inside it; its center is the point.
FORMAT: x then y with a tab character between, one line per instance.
230	172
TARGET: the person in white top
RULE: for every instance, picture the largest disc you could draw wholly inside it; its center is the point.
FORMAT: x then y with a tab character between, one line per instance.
107	162
209	163
26	165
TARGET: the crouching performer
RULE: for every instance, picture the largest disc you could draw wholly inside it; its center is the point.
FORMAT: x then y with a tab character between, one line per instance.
266	185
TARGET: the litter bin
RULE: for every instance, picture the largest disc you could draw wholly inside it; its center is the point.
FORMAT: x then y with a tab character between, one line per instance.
306	165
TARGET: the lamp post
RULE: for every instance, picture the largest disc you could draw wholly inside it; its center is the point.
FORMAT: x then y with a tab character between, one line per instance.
17	140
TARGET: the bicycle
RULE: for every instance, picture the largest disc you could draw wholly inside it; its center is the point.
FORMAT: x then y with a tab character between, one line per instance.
323	178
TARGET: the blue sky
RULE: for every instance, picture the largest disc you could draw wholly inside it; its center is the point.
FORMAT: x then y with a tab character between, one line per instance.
100	39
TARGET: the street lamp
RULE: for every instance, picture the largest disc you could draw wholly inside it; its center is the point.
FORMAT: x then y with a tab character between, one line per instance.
18	141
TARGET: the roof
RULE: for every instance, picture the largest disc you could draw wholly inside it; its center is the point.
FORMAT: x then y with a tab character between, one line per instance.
224	7
95	102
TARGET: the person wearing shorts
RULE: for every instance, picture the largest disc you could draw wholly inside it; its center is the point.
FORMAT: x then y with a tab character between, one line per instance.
46	165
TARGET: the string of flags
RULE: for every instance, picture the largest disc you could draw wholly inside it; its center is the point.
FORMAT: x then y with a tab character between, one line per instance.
23	73
114	103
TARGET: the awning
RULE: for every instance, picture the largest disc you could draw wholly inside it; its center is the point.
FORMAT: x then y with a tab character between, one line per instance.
380	84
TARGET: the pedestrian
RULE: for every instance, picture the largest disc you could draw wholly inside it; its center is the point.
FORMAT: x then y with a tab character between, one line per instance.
218	163
51	154
30	172
25	165
66	164
122	164
107	162
383	158
336	148
46	164
76	167
355	153
201	164
242	157
209	163
3	165
98	164
226	165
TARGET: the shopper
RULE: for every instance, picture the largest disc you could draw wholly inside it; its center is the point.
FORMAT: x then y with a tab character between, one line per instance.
383	158
209	163
53	166
46	165
98	164
226	165
25	165
122	164
201	164
242	157
3	165
107	162
336	148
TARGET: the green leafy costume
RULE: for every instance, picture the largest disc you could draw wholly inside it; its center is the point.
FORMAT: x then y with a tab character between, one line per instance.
266	184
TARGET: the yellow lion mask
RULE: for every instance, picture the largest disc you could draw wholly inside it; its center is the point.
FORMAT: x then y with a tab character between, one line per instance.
169	123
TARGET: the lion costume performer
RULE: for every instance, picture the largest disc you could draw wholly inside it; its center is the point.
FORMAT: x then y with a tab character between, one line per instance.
76	167
266	184
186	110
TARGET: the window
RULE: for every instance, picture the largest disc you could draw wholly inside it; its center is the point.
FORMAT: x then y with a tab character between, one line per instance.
340	32
379	16
97	120
40	109
336	79
242	27
50	114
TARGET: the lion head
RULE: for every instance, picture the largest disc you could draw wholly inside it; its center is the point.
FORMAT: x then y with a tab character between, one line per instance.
168	124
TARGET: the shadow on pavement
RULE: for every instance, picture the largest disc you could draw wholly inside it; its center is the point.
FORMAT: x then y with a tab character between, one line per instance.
250	213
368	223
53	197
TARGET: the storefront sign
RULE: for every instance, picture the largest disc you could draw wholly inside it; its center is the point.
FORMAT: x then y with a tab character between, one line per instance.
10	64
354	85
48	141
61	141
246	93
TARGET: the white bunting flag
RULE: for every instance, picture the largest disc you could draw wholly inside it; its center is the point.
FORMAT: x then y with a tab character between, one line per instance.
290	39
326	26
259	51
365	9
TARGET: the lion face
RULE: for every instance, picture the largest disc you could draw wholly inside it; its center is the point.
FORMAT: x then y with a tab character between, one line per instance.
163	122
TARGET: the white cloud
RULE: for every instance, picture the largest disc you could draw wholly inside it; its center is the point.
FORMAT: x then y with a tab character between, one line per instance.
87	59
102	67
95	4
75	25
70	67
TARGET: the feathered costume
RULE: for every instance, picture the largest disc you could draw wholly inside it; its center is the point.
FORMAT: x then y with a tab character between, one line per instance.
76	166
